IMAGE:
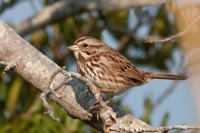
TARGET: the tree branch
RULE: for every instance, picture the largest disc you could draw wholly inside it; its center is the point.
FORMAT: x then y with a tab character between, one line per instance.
41	72
62	9
38	70
154	40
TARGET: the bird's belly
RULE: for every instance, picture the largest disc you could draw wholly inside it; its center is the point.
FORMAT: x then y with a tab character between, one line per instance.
113	86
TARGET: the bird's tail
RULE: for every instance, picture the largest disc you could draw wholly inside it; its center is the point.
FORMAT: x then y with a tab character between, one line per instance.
164	76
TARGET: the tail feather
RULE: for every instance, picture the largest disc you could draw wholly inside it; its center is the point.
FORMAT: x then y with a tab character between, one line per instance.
165	76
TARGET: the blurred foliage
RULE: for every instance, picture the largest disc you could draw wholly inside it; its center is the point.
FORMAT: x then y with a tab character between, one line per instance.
20	106
148	110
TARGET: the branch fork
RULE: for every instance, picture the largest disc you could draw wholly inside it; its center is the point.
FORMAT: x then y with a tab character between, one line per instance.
104	112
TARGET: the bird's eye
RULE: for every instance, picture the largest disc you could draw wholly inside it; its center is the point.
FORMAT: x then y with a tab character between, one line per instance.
85	45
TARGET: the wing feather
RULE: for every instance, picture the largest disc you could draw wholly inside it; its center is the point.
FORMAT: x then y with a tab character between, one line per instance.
119	64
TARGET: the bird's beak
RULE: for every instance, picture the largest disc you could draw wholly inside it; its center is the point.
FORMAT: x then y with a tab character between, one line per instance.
73	48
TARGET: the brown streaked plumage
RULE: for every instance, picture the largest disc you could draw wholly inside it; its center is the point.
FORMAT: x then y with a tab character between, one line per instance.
111	72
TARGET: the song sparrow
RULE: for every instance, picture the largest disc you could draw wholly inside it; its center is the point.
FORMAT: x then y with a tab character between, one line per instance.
110	72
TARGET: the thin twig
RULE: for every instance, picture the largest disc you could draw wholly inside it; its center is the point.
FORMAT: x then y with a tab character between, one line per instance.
167	128
174	36
159	129
123	42
51	90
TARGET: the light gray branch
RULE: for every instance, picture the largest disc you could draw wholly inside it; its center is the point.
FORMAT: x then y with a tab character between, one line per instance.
62	9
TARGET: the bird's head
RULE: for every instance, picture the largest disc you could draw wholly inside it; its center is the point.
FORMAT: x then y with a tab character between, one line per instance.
86	47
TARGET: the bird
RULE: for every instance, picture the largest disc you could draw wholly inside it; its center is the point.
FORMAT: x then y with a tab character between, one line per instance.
108	70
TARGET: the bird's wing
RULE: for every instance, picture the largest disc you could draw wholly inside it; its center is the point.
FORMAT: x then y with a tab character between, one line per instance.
119	64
